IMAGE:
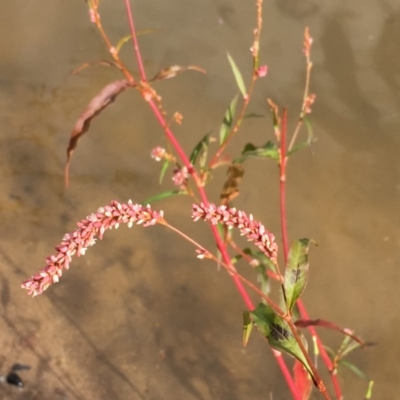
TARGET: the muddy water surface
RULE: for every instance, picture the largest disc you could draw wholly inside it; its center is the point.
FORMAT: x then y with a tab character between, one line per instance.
139	317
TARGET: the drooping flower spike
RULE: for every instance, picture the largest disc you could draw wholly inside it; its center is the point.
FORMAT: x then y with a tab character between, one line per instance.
77	242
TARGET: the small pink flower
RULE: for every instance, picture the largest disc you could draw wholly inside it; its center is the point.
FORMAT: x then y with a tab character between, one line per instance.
262	71
158	153
77	242
253	230
92	15
309	101
180	176
203	253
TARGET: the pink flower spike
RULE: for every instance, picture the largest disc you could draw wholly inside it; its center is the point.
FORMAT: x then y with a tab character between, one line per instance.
83	237
253	230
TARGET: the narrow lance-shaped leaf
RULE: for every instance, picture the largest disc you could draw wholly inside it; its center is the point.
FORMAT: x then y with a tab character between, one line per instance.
91	64
173	71
125	39
296	272
305	143
238	76
262	279
261	263
278	334
368	395
228	120
161	196
247	327
354	369
105	97
269	150
222	234
200	149
164	170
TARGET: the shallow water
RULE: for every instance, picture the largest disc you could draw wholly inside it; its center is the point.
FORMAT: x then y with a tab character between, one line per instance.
139	317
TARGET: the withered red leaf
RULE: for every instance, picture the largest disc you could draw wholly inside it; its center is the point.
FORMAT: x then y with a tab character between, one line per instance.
304	323
105	97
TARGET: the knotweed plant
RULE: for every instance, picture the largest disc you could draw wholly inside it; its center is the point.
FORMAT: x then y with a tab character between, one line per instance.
280	324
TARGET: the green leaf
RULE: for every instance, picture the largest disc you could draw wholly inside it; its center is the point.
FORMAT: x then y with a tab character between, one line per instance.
201	149
122	42
300	146
306	143
261	317
278	333
354	369
162	196
261	258
247	327
368	395
263	279
269	150
296	272
348	345
221	232
238	76
127	38
228	120
264	263
164	170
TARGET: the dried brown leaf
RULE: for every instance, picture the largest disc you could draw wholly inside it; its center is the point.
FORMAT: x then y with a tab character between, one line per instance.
174	70
105	97
91	64
230	189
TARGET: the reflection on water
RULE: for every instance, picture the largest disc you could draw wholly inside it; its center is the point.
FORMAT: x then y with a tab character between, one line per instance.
139	316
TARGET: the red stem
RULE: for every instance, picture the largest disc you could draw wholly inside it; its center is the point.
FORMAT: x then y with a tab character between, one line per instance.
203	195
324	354
287	374
220	244
135	41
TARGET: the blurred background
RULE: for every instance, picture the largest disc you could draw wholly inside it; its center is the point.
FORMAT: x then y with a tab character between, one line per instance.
139	317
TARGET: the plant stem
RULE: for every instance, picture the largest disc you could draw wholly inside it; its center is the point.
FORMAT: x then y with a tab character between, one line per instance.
321	385
220	244
285	241
135	41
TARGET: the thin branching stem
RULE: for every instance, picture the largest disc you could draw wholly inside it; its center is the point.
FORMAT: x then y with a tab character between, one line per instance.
219	242
304	106
283	213
246	101
110	47
135	41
